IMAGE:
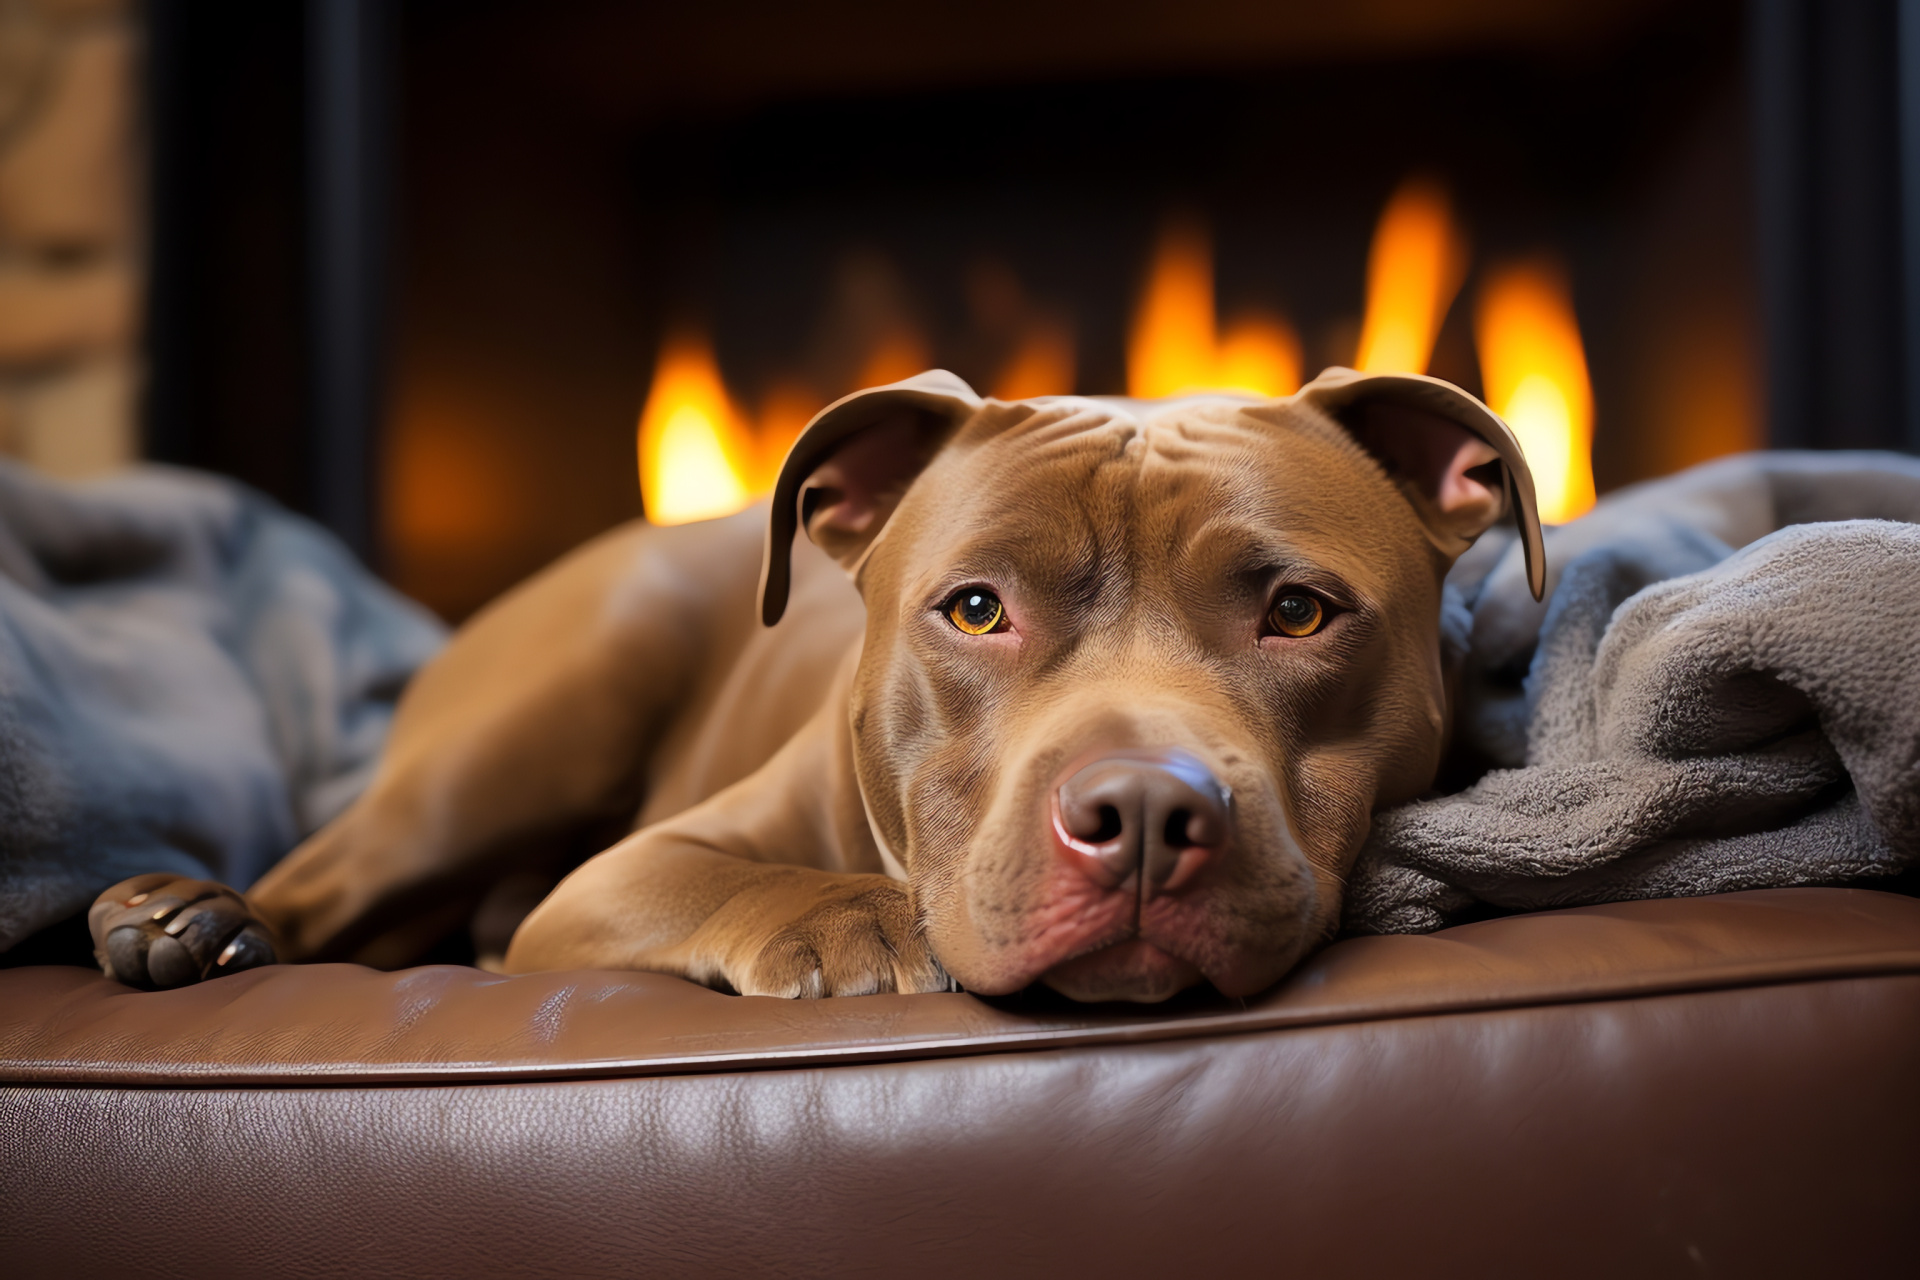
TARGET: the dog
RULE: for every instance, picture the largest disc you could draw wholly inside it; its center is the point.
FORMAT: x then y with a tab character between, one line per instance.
1094	693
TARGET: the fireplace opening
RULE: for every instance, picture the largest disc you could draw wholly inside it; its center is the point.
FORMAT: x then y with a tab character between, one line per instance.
630	250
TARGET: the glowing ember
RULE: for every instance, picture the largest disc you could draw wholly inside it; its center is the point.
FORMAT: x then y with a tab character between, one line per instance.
692	443
1535	372
1414	268
1173	348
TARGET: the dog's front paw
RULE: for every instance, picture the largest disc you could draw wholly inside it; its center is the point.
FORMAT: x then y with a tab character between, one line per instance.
163	930
861	938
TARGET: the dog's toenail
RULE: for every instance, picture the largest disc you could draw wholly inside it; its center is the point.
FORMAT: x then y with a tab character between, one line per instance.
135	900
177	924
161	912
232	948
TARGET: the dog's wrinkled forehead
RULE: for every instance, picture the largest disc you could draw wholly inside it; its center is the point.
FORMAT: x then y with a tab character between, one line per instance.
1206	456
1032	482
1070	486
1051	430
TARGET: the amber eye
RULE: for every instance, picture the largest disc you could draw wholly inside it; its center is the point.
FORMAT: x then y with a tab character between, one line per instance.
975	611
1296	614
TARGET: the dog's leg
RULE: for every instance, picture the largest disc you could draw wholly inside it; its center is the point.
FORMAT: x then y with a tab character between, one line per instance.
714	894
671	906
537	721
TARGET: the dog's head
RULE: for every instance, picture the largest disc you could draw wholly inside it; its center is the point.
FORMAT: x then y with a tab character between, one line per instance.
1136	674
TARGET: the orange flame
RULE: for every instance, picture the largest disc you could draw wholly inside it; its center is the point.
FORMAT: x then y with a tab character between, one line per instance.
1414	268
1534	369
692	440
1260	353
1171	347
1174	350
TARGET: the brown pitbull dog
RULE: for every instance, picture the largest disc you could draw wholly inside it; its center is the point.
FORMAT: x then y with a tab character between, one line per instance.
1095	693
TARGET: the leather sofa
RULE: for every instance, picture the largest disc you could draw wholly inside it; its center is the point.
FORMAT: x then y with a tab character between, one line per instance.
1723	1086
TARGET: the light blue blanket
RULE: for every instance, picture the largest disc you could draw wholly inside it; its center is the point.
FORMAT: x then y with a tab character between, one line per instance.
191	680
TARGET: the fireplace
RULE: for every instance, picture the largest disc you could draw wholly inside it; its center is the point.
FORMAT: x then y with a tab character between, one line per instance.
619	235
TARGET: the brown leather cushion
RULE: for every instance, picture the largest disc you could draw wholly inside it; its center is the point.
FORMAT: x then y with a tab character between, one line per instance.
343	1022
1719	1086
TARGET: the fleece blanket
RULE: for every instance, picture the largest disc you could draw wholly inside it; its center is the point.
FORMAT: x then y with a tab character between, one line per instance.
1692	718
191	680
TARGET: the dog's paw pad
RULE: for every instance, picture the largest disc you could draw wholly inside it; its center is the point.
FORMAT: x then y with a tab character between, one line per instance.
159	931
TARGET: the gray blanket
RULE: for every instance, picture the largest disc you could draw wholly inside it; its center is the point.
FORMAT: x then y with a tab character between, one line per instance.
1693	719
191	679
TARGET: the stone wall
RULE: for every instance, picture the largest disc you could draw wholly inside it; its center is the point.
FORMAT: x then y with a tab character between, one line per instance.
70	259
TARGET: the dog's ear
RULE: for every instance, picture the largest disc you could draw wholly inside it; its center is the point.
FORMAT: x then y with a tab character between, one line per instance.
846	473
1457	462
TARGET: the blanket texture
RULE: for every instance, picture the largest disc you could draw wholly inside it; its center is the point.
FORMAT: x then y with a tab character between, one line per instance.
191	680
1695	719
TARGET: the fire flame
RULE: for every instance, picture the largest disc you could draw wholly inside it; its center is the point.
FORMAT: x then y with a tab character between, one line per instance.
701	456
1414	268
1259	353
692	440
1173	348
1534	369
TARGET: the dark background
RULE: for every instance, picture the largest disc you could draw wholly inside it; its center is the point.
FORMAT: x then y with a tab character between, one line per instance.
411	262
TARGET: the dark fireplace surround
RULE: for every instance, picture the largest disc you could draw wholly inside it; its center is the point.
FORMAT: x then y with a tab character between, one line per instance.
413	262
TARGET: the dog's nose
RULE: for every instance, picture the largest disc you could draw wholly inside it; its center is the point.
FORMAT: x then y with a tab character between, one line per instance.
1161	813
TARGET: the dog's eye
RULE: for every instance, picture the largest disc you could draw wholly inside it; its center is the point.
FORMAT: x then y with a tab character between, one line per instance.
976	611
1297	614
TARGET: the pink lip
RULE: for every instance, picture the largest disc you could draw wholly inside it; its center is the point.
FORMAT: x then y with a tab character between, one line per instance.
1076	916
1090	922
1084	932
1084	935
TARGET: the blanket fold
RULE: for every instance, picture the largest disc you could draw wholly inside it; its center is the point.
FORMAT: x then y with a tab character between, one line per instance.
1751	722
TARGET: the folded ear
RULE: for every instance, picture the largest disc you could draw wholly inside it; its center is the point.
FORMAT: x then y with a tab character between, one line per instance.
1457	462
847	471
